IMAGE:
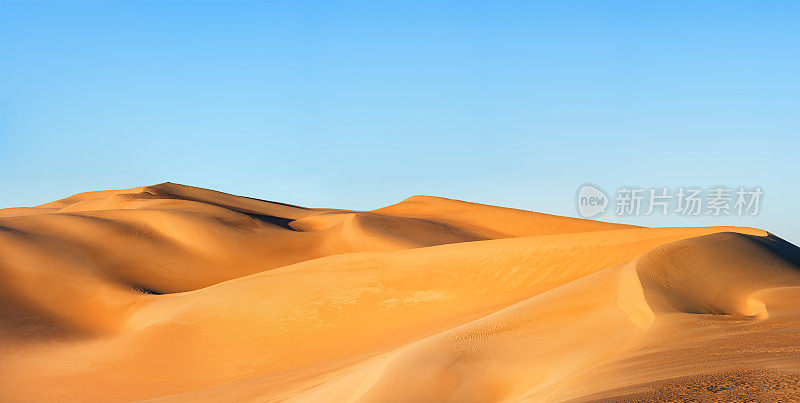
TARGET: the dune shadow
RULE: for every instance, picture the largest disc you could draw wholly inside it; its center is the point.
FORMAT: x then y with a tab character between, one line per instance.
282	222
783	249
144	290
274	202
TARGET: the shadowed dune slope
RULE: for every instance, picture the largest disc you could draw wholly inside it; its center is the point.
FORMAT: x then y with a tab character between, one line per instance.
179	293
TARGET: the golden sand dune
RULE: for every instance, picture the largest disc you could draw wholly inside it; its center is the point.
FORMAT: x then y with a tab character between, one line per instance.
179	293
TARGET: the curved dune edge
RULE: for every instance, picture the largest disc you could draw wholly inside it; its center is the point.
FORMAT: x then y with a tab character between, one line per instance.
179	293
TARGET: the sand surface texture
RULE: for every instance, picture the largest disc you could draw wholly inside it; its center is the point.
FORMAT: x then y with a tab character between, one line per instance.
176	293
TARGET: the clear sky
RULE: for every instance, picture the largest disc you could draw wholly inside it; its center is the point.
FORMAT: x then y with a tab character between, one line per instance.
362	104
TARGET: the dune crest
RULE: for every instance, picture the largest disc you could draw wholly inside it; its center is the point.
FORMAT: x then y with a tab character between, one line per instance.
180	293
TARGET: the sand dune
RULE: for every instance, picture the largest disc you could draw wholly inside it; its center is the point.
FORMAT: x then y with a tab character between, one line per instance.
180	293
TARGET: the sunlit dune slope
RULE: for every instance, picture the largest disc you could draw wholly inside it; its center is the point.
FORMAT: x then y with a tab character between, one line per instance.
180	293
495	222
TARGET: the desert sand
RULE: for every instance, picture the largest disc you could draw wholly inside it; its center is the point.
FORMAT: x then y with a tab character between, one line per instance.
176	293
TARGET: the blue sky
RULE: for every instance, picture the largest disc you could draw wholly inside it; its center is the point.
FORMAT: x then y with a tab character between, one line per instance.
361	104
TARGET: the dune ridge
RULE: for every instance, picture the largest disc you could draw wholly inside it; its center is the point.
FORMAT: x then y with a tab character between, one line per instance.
171	292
